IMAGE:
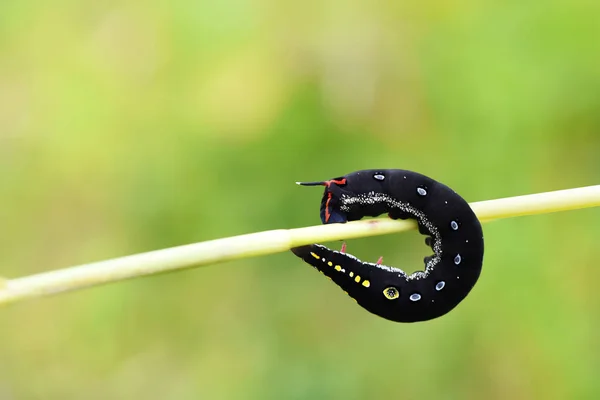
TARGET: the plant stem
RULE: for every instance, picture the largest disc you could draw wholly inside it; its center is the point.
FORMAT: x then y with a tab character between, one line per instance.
268	242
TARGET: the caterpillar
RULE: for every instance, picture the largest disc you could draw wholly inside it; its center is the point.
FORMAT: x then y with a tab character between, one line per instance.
453	232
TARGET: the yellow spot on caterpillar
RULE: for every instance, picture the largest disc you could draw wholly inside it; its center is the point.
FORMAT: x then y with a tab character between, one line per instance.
315	255
338	268
366	283
357	279
391	293
330	263
351	274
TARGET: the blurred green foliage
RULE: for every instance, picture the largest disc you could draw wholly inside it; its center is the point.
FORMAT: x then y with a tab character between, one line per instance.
128	126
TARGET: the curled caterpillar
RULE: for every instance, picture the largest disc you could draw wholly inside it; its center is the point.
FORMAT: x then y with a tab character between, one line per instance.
453	232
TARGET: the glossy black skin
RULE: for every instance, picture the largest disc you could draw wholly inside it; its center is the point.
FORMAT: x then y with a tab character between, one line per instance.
441	205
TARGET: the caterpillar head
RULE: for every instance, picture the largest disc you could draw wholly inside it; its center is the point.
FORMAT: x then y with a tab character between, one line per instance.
330	203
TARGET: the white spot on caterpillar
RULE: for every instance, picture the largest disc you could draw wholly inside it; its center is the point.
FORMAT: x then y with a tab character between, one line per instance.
440	285
415	297
457	259
421	191
454	225
379	177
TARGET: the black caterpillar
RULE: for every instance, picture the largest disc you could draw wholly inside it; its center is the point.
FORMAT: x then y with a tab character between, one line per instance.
454	234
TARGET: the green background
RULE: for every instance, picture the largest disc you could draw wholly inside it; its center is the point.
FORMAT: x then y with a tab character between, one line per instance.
133	126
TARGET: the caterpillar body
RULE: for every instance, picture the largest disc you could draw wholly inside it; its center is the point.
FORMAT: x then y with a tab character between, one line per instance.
453	232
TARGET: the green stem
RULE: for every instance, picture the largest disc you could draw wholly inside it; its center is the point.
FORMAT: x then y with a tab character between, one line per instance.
269	242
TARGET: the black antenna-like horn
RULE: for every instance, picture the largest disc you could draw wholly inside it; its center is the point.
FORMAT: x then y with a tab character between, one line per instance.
322	183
